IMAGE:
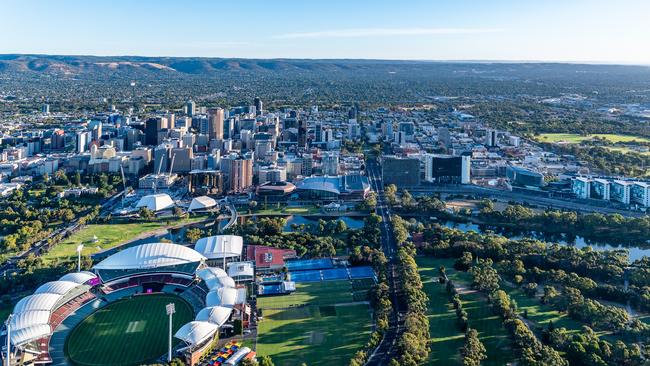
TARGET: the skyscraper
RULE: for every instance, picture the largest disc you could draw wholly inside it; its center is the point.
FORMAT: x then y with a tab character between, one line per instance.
191	108
302	133
237	172
258	106
151	128
215	123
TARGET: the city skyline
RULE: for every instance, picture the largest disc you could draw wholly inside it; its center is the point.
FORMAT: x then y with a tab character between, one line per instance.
506	30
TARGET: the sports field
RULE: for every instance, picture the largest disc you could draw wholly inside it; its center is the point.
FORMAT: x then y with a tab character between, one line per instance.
573	138
108	236
317	324
127	332
446	337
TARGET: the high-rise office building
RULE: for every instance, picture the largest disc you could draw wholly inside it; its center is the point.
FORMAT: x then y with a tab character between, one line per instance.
215	123
151	128
447	168
237	172
302	133
491	138
258	106
401	171
191	108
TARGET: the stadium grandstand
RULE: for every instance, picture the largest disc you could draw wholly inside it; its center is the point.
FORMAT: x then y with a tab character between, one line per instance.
42	325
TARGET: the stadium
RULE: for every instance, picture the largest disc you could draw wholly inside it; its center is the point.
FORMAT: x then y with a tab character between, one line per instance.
118	313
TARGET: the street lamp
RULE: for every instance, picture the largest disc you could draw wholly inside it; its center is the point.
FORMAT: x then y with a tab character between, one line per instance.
171	309
80	247
8	326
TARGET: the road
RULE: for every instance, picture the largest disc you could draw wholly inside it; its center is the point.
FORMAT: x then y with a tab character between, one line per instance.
503	195
387	347
42	245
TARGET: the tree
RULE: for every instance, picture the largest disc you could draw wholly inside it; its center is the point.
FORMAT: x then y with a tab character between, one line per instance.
266	361
146	214
193	234
473	351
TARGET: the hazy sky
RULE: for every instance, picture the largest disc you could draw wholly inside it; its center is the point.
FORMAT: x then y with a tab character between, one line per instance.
556	30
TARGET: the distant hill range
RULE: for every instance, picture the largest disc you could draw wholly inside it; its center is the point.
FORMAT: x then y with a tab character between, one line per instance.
111	65
75	65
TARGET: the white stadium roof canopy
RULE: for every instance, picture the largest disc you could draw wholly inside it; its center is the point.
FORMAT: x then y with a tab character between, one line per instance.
220	246
151	255
201	203
218	282
29	318
211	272
56	287
26	335
156	202
38	302
214	314
223	296
78	277
195	332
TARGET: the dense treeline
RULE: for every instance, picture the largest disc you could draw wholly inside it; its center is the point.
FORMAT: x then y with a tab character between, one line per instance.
413	344
571	279
591	225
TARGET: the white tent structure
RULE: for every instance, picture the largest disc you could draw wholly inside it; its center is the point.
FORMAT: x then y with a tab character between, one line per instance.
202	203
196	332
151	255
156	202
220	246
214	314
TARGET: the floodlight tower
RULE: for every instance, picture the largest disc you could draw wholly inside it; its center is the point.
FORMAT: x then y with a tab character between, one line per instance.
80	247
171	309
8	326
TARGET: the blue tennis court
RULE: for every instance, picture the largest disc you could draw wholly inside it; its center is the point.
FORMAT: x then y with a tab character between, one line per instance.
335	274
361	272
307	264
306	276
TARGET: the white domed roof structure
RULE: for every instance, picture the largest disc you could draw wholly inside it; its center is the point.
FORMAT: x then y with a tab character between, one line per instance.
151	255
29	318
202	203
220	246
156	202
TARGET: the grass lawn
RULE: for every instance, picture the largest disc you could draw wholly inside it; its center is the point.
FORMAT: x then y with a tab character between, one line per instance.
445	335
314	325
318	335
108	236
312	293
273	209
542	314
576	138
128	332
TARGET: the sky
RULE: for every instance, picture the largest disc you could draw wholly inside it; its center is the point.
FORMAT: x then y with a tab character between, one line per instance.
608	31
